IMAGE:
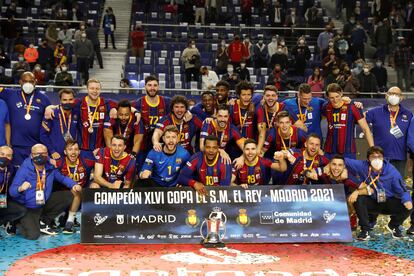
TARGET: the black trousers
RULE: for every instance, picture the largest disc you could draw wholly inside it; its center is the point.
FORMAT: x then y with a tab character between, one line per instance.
366	205
112	39
29	225
83	67
97	49
13	212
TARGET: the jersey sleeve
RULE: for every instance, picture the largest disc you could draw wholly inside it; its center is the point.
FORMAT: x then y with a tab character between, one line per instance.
45	135
112	122
260	115
226	172
162	124
167	101
149	161
139	127
100	156
129	176
301	137
197	123
88	159
205	130
271	138
356	112
267	163
235	133
186	177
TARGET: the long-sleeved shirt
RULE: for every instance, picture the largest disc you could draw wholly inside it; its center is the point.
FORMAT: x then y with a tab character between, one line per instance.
27	172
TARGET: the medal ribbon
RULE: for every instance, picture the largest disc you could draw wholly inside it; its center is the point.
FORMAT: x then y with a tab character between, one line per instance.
67	125
41	181
28	106
92	118
283	140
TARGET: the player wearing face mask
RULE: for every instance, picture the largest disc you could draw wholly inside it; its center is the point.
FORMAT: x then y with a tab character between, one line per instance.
382	191
389	124
26	109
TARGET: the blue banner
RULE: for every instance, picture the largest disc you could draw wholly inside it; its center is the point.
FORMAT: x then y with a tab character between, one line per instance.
259	214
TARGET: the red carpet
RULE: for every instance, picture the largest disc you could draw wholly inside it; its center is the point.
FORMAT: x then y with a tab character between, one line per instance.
237	259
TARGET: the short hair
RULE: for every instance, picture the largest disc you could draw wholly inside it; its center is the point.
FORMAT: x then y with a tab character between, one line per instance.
338	156
66	91
124	103
151	78
70	142
171	128
208	92
282	114
270	88
126	81
249	141
210	138
119	137
313	135
223	83
93	81
334	88
223	107
179	99
305	88
374	149
244	85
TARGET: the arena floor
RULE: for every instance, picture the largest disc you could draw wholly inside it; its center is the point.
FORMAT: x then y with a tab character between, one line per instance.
63	254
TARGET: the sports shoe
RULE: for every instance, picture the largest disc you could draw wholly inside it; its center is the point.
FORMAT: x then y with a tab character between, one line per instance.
363	235
46	229
10	228
395	231
76	223
410	231
68	228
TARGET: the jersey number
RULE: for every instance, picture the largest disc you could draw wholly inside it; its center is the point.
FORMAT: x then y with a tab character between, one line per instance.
209	181
251	179
153	120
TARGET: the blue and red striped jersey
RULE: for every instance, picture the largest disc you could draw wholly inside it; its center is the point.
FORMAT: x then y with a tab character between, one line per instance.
341	125
255	174
114	169
243	120
263	115
275	142
294	175
230	133
151	114
187	130
100	116
81	171
196	169
127	131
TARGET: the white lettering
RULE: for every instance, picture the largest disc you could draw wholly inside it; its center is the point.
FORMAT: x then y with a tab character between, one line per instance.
49	271
146	272
100	272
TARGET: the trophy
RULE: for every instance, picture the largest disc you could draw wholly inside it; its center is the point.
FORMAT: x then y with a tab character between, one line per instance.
216	228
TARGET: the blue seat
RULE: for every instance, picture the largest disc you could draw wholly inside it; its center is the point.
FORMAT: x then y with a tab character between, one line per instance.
131	68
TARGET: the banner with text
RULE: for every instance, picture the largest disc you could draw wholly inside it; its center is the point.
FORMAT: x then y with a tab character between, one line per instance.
259	214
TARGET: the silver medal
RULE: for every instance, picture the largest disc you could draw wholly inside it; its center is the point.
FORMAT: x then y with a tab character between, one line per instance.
27	117
90	130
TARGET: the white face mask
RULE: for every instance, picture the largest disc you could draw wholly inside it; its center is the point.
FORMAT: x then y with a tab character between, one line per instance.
64	69
28	88
242	65
393	99
193	46
366	70
230	70
377	163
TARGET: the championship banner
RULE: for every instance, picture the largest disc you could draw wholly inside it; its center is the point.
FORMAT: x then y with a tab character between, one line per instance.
259	214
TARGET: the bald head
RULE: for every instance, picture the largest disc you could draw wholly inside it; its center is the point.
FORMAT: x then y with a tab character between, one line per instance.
39	149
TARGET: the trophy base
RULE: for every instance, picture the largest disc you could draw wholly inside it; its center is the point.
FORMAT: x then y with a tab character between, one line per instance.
213	245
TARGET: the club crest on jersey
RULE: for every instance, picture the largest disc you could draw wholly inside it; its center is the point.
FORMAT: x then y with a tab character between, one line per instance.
38	101
178	160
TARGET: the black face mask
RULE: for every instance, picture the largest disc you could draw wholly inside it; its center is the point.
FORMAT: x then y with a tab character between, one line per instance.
67	106
40	160
4	162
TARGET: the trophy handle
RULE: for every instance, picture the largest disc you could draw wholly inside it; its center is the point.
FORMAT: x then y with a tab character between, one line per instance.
224	232
225	218
201	229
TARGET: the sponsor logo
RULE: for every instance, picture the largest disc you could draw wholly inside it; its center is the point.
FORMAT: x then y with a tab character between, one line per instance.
266	217
328	217
120	219
243	219
98	219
